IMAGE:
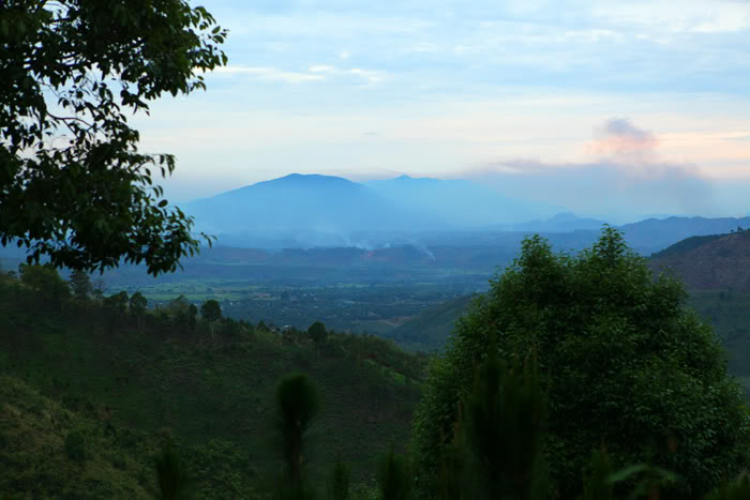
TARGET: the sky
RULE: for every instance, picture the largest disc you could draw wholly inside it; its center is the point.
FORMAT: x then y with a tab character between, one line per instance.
619	108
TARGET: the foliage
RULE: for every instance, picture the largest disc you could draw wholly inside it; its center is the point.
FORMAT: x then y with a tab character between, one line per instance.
394	477
75	446
47	281
297	404
503	429
318	333
117	302
596	482
629	366
42	444
338	482
74	186
138	304
80	284
738	489
211	310
172	475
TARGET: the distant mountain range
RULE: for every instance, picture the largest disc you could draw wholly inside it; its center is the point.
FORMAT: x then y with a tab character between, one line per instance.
319	210
309	211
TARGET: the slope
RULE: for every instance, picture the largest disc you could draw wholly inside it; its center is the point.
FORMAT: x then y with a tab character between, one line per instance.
211	388
430	330
709	262
39	457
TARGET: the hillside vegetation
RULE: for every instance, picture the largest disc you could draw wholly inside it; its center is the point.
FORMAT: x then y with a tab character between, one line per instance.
716	262
209	385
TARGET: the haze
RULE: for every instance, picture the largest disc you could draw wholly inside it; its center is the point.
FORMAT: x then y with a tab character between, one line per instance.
605	109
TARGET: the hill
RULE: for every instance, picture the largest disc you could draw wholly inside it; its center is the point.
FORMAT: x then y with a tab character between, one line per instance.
39	457
430	330
652	235
211	387
712	262
560	223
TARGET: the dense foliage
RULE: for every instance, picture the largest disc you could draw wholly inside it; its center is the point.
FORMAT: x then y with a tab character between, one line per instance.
73	185
628	365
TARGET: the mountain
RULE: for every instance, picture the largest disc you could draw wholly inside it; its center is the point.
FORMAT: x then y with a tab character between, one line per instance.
461	204
560	223
299	203
652	235
324	211
713	262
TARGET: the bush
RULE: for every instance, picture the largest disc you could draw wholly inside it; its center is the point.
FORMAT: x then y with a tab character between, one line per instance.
75	446
628	365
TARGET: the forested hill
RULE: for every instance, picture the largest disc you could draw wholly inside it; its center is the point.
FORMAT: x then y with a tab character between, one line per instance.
713	262
91	387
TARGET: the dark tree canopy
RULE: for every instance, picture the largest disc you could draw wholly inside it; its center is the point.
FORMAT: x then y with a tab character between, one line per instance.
297	405
318	333
211	310
81	285
138	304
47	281
629	367
73	184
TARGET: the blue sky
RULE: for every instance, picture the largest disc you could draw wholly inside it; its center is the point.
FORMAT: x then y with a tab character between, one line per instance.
602	107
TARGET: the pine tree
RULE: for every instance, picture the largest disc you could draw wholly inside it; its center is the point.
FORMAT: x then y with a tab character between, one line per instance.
172	476
338	483
394	477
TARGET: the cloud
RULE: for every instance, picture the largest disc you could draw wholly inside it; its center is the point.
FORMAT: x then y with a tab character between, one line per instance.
622	142
270	74
626	178
314	73
369	76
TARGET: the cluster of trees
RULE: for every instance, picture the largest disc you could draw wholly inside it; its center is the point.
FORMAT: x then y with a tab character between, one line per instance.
575	377
54	291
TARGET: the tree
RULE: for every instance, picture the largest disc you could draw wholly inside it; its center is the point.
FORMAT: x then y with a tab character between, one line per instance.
338	482
211	310
172	475
630	367
118	302
138	305
503	427
81	284
192	317
297	405
179	309
318	333
394	477
45	280
73	185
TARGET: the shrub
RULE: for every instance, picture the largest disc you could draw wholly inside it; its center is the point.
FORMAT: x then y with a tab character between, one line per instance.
75	446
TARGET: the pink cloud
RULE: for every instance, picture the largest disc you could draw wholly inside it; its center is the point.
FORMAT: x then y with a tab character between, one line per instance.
623	142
